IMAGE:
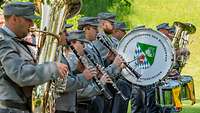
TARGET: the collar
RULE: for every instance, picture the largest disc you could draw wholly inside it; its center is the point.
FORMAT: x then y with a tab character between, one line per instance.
9	31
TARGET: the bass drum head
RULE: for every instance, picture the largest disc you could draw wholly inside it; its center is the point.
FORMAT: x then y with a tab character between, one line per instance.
149	52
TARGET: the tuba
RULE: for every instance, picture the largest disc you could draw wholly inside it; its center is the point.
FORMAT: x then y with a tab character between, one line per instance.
189	29
181	41
53	16
177	37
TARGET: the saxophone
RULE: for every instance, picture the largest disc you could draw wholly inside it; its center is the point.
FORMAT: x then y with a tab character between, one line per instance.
53	13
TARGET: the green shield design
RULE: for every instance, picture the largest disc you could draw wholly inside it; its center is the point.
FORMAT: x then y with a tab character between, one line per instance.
149	51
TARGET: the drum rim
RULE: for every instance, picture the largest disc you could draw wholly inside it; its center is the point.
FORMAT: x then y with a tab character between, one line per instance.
168	43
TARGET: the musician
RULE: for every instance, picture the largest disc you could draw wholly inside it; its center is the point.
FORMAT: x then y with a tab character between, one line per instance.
120	105
19	70
169	32
66	103
119	32
166	30
180	52
106	21
90	25
87	97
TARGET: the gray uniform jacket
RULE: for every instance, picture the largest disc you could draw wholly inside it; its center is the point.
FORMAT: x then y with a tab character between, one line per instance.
92	89
111	69
87	91
67	100
19	67
115	42
102	49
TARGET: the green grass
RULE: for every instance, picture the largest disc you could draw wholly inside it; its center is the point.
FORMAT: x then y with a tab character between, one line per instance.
153	12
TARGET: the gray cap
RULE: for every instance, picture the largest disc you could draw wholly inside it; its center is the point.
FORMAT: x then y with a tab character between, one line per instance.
166	27
106	16
120	26
77	35
24	9
163	26
68	25
93	21
172	30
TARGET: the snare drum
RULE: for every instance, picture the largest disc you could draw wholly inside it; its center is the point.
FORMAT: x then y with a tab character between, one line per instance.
168	94
187	90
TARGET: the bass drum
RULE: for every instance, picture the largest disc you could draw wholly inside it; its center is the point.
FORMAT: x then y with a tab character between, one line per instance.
149	52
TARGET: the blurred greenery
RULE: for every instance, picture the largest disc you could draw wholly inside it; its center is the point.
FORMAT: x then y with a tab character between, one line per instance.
151	13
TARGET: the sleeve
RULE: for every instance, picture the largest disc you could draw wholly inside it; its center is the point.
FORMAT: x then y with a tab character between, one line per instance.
73	61
88	92
75	82
113	70
22	71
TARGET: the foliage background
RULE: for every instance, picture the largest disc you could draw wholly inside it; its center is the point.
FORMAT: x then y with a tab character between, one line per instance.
151	13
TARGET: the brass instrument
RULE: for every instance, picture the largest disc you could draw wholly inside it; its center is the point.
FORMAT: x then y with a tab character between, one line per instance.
177	37
180	42
54	14
189	29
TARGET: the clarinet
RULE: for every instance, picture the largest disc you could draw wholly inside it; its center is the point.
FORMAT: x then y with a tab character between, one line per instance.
104	73
105	43
95	79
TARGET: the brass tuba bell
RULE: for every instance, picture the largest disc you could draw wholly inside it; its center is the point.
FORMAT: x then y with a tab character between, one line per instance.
180	42
53	16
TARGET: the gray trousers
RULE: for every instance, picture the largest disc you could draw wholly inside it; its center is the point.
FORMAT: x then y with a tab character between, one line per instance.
143	100
119	104
92	106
